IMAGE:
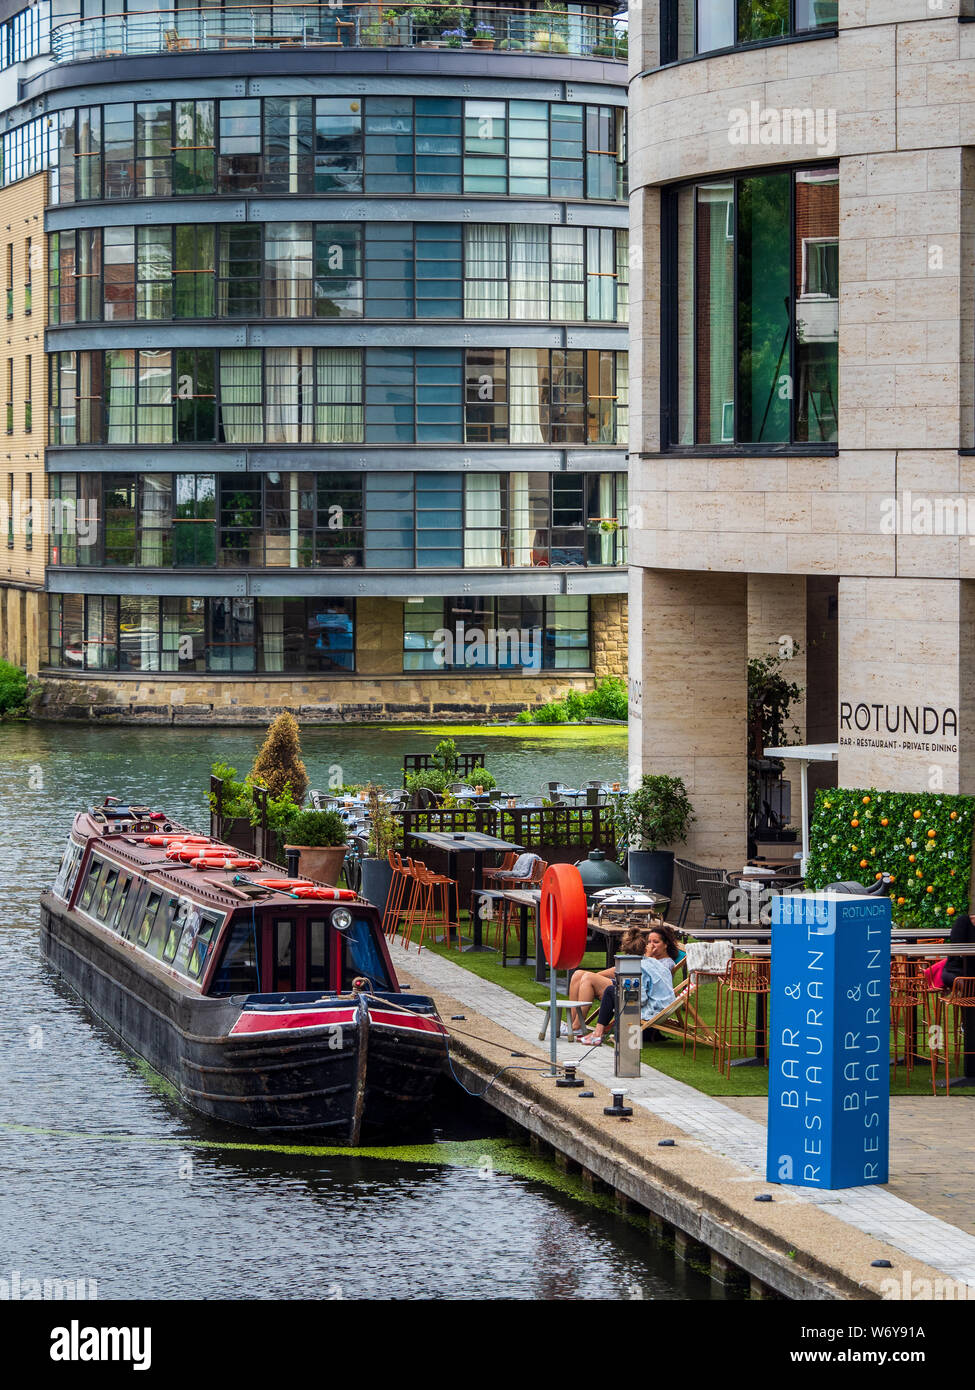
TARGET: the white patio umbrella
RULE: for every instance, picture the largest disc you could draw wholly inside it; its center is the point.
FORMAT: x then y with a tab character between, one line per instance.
804	754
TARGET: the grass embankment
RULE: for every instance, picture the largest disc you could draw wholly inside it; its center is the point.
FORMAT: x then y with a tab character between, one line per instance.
667	1055
602	734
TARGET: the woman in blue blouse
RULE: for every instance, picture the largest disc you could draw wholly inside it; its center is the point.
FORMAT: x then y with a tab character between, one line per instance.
661	957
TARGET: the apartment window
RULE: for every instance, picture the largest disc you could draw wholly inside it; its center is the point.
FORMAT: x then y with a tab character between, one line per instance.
300	145
689	27
154	273
338	145
193	272
519	633
288	270
486	396
194	516
10	395
10	511
28	273
438	260
338	270
241	265
29	514
28	394
10	279
196	395
118	275
754	312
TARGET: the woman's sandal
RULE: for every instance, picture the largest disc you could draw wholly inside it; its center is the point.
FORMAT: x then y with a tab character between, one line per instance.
591	1040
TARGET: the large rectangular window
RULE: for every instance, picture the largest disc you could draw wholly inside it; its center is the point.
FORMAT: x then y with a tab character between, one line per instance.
689	27
753	310
504	634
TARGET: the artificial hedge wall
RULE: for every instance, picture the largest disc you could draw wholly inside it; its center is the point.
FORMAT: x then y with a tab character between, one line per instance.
923	840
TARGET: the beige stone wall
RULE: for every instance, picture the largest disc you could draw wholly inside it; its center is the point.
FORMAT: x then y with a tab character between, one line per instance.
688	705
326	700
906	643
609	635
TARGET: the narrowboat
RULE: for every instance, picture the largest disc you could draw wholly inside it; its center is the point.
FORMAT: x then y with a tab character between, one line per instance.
268	1002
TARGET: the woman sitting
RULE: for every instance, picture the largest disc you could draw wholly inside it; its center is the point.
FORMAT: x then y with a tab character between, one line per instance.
587	985
661	957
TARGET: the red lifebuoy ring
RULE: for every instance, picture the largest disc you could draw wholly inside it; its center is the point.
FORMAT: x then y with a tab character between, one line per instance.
340	895
285	885
564	897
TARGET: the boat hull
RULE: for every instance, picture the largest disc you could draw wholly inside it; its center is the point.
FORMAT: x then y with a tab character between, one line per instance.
341	1068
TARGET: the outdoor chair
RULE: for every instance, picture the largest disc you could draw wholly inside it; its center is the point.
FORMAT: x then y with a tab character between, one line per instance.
705	960
907	986
950	1005
689	875
744	979
505	867
715	898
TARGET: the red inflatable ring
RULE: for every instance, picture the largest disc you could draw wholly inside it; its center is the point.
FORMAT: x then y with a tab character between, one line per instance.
564	896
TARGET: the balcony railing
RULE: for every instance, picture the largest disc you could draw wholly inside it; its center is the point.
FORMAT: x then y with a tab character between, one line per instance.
555	33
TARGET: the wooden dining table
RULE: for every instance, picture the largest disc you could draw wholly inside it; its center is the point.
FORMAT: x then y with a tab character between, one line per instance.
469	842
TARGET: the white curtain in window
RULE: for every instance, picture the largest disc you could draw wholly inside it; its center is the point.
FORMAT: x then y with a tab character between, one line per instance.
482	521
154	423
568	290
622	275
120	390
524	397
272	633
520	520
622	512
240	395
154	514
338	412
289	387
622	398
529	272
288	269
607	512
485	272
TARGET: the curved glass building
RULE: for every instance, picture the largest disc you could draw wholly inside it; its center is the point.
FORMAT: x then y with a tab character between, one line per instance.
334	378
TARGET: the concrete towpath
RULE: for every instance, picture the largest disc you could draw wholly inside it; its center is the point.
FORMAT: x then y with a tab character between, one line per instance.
728	1140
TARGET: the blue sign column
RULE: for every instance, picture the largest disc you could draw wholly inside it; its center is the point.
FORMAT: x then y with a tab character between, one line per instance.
829	1045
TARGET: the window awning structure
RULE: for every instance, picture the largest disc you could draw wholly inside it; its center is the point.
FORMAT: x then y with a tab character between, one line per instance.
804	754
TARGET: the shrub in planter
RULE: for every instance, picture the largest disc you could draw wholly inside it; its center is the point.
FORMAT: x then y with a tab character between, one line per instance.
236	808
377	875
922	839
658	813
320	838
278	764
480	777
445	755
431	777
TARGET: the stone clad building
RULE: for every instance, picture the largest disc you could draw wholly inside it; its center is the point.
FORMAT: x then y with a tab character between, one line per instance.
803	190
330	408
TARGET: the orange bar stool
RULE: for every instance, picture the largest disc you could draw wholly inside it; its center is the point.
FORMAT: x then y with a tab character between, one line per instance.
745	980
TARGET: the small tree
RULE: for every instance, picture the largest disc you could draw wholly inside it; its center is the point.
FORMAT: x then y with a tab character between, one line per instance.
658	813
278	764
383	829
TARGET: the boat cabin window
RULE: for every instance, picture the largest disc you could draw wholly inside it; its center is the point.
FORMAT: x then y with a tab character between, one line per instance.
106	888
200	948
172	938
95	867
149	917
68	870
318	972
285	975
360	955
118	905
238	968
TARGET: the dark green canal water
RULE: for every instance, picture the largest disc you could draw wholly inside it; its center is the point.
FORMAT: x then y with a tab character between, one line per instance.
107	1177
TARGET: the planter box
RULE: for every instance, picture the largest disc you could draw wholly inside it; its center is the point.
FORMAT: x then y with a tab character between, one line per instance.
323	863
377	878
238	831
653	869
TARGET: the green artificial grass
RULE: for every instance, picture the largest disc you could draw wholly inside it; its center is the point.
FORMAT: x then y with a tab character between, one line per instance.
666	1056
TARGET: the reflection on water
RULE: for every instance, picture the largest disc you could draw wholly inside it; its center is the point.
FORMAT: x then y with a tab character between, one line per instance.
108	1177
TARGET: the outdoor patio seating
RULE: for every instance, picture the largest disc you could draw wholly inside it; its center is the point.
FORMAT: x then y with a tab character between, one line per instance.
689	875
907	987
948	1038
715	895
743	981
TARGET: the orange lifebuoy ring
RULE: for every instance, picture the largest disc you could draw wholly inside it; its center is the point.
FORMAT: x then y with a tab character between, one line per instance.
285	885
564	896
340	895
177	839
223	862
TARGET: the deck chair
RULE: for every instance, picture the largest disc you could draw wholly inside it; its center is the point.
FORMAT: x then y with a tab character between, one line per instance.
705	960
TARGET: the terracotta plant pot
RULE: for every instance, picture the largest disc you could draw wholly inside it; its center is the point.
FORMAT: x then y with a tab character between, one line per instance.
482	43
323	863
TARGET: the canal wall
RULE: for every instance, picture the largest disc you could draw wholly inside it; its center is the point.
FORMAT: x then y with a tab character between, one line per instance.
684	1161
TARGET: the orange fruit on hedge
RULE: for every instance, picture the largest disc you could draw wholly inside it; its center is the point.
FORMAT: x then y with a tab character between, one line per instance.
954	815
931	834
863	863
878	875
901	901
884	821
917	815
950	911
930	888
854	822
866	801
911	858
917	873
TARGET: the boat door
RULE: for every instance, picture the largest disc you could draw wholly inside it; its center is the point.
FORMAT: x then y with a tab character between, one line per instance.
298	950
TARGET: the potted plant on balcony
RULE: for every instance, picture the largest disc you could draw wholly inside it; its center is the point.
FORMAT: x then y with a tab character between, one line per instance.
377	873
320	838
652	818
453	38
483	35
